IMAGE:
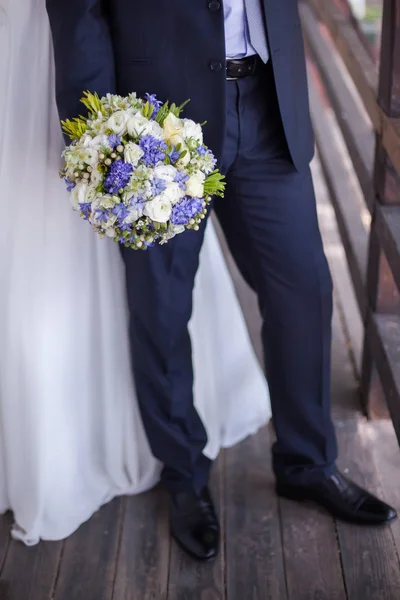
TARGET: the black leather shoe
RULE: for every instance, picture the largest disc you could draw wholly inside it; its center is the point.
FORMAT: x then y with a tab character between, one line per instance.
194	524
343	499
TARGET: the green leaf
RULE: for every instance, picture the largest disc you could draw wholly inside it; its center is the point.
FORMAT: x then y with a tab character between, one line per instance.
74	128
214	184
93	103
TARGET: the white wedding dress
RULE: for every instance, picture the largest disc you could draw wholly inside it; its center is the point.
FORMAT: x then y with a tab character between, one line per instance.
71	437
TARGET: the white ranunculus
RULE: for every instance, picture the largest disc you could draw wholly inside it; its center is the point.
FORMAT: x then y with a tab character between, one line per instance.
173	193
172	126
195	185
133	153
118	122
153	128
96	177
158	210
137	125
107	201
166	172
78	195
192	130
91	193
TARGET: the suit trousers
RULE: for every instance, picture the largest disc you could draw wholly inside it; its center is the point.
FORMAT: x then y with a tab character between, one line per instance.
269	218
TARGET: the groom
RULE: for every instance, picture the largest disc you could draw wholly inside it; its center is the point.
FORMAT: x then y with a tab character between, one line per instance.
241	62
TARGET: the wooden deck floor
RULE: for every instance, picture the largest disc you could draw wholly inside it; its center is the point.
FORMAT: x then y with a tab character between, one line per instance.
272	549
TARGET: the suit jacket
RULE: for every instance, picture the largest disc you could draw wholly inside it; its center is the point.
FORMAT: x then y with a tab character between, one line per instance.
175	49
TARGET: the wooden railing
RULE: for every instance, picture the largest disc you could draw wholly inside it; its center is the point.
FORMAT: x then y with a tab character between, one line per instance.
365	100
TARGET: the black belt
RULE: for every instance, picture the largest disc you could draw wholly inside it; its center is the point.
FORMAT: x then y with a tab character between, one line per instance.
236	68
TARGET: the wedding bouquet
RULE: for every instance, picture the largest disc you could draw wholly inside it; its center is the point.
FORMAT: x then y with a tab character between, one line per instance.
136	171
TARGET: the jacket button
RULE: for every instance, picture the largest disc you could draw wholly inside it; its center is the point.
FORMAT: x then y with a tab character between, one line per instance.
216	66
214	5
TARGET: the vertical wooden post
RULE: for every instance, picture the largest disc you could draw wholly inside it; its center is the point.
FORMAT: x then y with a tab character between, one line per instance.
383	294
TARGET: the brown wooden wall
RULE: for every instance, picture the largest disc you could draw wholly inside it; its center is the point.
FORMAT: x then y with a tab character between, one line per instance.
363	96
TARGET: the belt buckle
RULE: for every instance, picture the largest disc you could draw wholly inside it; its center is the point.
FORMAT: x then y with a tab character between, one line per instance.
226	73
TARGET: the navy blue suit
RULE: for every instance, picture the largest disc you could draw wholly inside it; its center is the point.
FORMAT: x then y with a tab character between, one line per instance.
259	128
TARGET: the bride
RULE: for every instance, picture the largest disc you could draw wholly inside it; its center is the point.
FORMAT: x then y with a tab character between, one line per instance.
71	436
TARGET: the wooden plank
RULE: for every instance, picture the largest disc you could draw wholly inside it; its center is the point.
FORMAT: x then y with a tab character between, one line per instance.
30	573
385	448
387	227
190	580
383	338
346	300
369	556
383	276
363	72
389	80
142	570
254	555
311	553
312	558
349	112
345	194
357	60
87	569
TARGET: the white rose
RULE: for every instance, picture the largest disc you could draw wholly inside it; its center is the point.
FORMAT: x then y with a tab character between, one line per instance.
137	125
78	195
107	201
153	128
110	232
192	130
172	193
118	122
166	172
195	185
158	210
172	126
133	153
96	177
91	193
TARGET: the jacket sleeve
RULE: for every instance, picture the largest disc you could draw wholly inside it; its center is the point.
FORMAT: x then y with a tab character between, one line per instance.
83	52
